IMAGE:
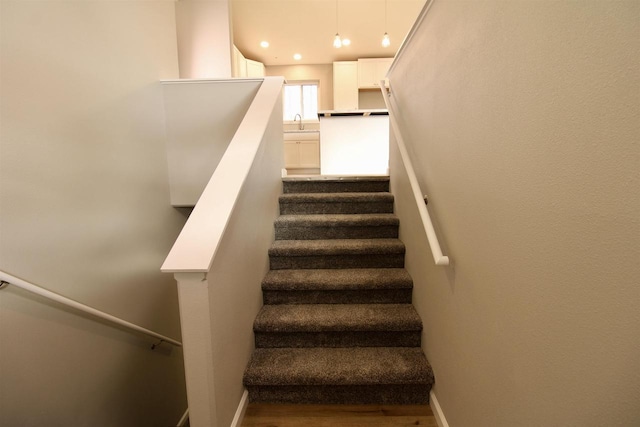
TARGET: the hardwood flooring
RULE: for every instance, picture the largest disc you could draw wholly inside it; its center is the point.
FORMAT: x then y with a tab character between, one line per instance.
270	415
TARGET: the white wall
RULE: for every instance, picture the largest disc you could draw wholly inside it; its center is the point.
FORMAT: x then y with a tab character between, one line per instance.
354	145
523	119
84	211
201	119
320	72
204	38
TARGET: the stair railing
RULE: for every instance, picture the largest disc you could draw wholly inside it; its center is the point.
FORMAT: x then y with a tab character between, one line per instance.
219	259
420	199
8	279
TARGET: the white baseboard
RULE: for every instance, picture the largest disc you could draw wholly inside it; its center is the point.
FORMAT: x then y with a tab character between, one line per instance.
437	410
183	420
242	408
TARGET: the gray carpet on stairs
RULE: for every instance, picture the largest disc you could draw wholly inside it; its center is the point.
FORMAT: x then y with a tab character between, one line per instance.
337	325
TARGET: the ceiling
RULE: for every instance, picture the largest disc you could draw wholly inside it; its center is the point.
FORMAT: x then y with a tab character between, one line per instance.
308	27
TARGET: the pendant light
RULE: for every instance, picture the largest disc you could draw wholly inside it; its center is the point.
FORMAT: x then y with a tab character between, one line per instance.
337	43
385	39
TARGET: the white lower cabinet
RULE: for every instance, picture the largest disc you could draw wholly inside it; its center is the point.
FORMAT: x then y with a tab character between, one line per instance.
302	154
302	150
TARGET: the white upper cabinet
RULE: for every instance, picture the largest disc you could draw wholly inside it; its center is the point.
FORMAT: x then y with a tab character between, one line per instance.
239	64
255	68
345	85
242	67
371	71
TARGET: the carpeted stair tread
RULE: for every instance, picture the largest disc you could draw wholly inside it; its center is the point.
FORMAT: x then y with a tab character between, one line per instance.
336	203
338	366
336	279
336	178
336	185
336	226
336	197
294	248
337	317
337	220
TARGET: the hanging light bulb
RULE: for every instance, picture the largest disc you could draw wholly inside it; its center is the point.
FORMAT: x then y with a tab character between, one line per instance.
337	43
385	40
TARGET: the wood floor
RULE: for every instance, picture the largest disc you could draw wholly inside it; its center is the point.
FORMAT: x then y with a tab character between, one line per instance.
266	415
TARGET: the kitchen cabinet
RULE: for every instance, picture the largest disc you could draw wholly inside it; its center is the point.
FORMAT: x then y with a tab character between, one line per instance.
239	64
371	71
243	67
255	68
345	85
302	150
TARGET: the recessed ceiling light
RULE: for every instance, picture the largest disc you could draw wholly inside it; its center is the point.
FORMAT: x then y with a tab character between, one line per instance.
346	42
297	57
264	43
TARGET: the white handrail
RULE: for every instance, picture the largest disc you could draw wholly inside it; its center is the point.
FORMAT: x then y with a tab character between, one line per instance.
438	257
30	287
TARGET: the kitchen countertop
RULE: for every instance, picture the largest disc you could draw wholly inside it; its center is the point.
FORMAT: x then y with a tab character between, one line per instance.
364	113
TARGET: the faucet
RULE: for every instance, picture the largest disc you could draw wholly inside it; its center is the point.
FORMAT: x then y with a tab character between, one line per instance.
301	124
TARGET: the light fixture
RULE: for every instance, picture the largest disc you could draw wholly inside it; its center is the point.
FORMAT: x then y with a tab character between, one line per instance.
385	39
264	44
337	43
346	42
297	56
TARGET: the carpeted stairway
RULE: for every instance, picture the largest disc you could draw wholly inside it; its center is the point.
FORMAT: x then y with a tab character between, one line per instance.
338	325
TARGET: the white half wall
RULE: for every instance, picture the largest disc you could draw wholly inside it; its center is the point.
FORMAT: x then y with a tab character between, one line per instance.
523	122
84	212
354	145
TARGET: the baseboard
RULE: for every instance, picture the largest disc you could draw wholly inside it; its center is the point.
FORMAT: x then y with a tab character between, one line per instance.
437	410
242	408
183	420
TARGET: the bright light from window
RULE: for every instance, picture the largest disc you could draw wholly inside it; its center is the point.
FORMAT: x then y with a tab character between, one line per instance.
301	98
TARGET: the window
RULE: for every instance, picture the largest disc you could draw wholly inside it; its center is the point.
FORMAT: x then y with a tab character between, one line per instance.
300	98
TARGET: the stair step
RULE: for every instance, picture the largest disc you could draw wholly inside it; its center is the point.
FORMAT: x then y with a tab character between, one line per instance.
336	203
337	253
335	184
336	226
358	375
338	325
338	286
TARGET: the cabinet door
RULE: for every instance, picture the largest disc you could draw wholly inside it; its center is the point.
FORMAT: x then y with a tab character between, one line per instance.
291	154
255	68
366	73
309	152
371	71
345	85
382	68
239	65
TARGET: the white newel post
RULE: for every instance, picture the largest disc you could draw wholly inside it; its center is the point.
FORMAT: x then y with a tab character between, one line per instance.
195	319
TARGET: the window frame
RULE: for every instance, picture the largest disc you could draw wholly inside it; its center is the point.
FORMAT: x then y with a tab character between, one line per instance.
301	83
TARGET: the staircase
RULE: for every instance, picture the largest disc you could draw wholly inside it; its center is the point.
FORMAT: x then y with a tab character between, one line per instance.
337	325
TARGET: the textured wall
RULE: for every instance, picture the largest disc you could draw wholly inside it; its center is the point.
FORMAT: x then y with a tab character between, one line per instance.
84	211
523	123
